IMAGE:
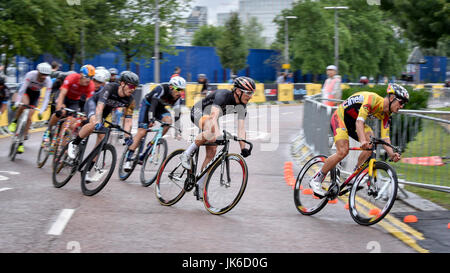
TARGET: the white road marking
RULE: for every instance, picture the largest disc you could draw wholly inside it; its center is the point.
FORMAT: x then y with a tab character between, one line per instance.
5	189
63	218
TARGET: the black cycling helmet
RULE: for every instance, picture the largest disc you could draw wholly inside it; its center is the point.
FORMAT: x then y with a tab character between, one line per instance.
129	77
245	83
399	91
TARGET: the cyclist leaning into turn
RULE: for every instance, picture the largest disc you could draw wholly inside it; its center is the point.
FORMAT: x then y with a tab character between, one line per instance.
349	120
101	105
153	106
31	87
205	115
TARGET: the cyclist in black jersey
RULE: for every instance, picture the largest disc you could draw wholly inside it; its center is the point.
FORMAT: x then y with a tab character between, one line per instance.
153	106
205	115
101	105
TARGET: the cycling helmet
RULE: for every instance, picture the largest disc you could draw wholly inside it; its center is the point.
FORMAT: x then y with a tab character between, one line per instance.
178	82
87	70
101	76
129	77
113	71
245	83
44	68
399	91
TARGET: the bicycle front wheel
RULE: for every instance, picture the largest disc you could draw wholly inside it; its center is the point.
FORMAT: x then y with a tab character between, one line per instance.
170	179
44	152
305	201
152	161
371	198
98	170
123	175
225	184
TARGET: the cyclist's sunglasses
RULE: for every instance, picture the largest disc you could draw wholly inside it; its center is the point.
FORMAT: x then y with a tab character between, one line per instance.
402	102
131	86
247	92
177	89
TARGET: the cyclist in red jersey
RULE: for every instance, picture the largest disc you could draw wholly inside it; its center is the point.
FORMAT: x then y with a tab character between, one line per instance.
74	86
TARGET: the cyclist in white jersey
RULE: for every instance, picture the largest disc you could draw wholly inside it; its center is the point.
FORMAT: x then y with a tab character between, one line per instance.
33	83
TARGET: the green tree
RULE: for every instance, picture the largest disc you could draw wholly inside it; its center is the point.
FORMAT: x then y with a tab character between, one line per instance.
425	22
207	35
25	26
252	31
230	48
136	36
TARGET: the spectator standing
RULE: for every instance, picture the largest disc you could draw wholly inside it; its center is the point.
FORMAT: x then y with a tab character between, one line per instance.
332	87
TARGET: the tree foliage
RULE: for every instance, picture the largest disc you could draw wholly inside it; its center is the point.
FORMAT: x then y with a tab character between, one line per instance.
231	49
207	35
369	42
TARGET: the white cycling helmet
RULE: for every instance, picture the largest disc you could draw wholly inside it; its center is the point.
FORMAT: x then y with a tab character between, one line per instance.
101	75
178	82
44	68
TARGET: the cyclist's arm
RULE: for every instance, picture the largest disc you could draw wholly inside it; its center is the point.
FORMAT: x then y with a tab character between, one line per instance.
392	155
177	109
48	91
60	99
214	117
241	132
361	135
128	117
99	111
22	89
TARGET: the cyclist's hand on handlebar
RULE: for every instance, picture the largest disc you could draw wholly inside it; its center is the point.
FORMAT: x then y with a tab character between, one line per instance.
396	157
40	116
245	152
366	145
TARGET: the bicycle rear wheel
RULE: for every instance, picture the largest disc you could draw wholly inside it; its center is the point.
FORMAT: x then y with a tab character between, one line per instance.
170	179
306	202
63	168
371	199
152	162
225	184
98	171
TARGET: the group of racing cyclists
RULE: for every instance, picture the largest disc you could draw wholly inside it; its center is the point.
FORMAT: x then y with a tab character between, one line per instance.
98	92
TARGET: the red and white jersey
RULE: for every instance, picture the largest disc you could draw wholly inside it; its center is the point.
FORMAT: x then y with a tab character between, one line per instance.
31	83
75	90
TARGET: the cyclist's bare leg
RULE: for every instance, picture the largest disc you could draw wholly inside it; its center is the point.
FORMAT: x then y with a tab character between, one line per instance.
166	119
30	114
141	132
87	129
25	100
365	154
342	148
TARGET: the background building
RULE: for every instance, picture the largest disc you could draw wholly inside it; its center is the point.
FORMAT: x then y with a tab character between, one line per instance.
265	11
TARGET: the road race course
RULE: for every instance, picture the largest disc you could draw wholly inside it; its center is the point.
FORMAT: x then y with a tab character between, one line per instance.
126	217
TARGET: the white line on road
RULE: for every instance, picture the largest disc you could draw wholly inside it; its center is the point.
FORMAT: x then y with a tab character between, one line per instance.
63	218
5	189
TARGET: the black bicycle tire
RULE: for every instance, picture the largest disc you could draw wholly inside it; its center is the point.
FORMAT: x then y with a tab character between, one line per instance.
238	197
378	165
13	149
121	162
298	182
41	163
84	189
148	182
57	184
158	179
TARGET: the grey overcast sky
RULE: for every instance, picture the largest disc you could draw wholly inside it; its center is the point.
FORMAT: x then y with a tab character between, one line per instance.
216	6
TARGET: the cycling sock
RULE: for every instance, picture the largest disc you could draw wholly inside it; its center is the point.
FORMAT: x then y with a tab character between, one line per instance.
77	140
320	176
191	149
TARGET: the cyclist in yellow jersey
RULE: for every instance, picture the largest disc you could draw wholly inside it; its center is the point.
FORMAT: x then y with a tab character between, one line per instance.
349	120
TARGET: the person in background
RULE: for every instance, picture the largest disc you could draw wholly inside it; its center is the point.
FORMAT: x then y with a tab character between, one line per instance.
290	78
176	72
114	72
203	81
4	95
331	89
363	80
281	78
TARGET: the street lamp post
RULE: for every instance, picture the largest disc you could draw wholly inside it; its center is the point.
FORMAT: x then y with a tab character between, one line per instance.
336	34
286	40
156	68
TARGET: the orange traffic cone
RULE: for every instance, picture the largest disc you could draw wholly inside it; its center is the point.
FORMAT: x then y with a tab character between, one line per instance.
410	219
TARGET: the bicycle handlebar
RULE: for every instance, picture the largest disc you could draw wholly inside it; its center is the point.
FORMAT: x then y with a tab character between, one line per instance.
74	112
227	135
117	126
165	124
376	141
28	106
